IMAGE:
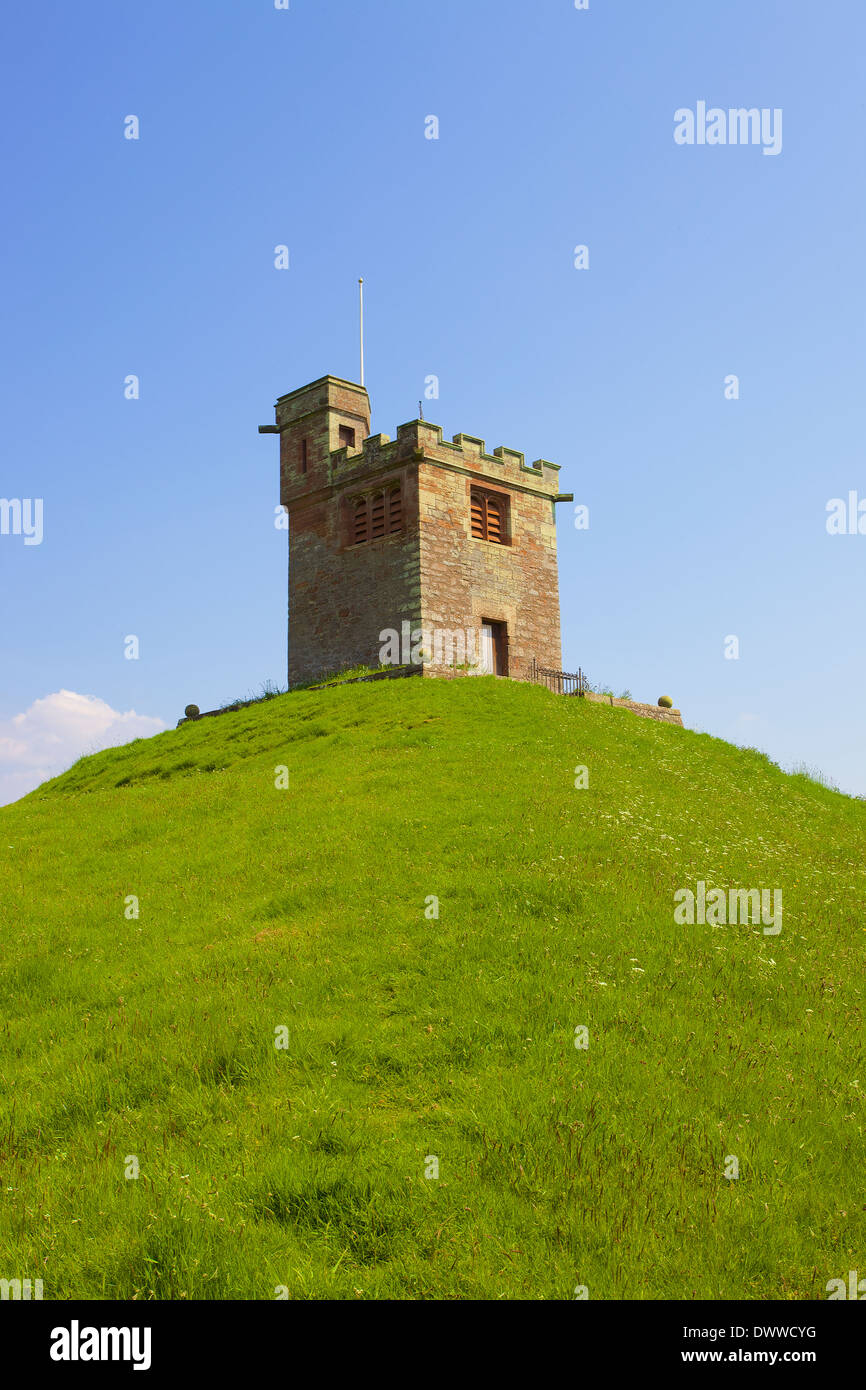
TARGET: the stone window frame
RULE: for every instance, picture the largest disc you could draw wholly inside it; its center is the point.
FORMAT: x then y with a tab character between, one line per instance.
361	511
502	498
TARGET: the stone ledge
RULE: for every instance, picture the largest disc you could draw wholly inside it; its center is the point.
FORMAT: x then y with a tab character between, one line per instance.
664	716
388	675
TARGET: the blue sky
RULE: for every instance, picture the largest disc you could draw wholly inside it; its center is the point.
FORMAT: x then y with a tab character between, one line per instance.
306	127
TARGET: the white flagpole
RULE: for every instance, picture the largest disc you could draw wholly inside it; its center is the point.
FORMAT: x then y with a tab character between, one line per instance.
361	289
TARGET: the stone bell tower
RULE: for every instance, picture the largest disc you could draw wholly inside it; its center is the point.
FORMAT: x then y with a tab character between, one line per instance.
416	533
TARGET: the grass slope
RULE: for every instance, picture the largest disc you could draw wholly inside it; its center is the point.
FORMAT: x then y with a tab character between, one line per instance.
411	1037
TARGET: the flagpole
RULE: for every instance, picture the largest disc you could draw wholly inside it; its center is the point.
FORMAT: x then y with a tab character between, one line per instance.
361	291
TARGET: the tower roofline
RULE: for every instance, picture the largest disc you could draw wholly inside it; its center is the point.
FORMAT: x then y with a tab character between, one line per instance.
320	381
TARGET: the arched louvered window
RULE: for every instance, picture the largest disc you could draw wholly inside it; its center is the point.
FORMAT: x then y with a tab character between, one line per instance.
489	517
376	515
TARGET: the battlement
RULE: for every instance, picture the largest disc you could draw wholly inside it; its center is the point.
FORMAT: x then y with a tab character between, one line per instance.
419	439
325	440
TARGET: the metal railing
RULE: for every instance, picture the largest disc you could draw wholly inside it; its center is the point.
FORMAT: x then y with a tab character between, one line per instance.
560	682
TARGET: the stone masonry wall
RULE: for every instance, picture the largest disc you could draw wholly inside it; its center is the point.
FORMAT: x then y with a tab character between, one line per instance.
314	414
464	580
340	596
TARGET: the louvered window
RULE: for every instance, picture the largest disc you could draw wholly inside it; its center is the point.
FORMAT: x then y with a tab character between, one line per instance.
488	516
477	515
360	525
377	515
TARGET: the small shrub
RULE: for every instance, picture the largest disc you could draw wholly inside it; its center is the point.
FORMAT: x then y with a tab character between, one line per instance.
192	711
665	702
599	688
269	691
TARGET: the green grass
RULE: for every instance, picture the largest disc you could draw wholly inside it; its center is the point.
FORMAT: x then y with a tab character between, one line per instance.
412	1037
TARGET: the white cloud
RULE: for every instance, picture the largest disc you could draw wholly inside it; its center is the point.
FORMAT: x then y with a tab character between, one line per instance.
49	736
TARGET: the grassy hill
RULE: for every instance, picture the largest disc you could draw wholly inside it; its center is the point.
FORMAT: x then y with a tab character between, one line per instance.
412	1037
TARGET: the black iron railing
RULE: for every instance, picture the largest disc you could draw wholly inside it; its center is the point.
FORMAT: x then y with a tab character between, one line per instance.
560	682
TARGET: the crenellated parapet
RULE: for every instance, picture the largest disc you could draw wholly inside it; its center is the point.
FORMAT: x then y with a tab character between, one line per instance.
419	439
